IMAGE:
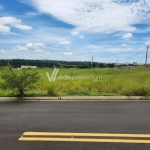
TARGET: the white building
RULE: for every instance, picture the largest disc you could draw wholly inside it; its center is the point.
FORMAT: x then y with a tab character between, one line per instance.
32	67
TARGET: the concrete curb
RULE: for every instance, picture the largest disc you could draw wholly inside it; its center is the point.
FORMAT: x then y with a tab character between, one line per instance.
75	98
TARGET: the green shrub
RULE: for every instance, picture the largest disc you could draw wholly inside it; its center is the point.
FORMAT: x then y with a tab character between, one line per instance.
19	80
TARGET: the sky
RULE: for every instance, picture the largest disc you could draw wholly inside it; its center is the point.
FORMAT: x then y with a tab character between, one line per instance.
75	30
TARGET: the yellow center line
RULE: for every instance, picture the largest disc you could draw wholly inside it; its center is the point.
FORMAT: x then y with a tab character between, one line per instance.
85	134
84	140
84	137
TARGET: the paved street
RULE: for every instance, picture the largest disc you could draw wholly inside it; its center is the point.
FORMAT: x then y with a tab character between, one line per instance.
80	125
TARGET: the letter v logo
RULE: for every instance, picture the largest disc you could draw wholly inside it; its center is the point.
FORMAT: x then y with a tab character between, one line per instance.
53	76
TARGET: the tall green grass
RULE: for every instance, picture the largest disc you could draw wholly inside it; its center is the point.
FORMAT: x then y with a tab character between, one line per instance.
130	82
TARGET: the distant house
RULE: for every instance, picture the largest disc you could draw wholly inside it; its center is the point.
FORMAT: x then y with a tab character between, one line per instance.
26	67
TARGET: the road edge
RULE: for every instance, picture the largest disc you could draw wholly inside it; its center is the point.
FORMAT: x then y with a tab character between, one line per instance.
69	98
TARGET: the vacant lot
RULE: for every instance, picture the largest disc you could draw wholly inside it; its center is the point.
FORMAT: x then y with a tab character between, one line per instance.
98	81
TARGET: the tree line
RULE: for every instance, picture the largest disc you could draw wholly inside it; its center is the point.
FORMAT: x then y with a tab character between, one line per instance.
17	63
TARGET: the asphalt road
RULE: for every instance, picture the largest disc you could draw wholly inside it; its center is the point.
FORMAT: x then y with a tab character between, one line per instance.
111	117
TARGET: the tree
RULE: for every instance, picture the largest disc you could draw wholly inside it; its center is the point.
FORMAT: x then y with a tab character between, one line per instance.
20	80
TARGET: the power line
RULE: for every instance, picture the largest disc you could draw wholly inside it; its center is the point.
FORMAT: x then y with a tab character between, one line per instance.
132	56
141	59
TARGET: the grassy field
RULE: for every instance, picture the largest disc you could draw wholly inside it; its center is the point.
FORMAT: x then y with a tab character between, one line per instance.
98	81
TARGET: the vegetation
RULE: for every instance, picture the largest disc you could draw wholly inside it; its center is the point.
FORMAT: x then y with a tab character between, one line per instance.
19	80
101	81
16	63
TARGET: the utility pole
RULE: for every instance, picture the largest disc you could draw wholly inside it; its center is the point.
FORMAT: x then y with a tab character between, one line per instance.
115	65
92	62
146	57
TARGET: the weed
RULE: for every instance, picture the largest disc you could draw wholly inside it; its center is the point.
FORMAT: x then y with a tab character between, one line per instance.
51	91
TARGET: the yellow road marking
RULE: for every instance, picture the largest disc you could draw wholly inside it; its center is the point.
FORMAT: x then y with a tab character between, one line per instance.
84	134
85	137
84	140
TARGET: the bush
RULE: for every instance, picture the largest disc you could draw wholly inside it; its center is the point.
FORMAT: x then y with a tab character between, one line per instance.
20	80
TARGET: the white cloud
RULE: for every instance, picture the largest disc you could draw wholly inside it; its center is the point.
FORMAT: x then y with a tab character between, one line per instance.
39	45
97	15
110	49
129	48
94	47
29	45
2	51
126	36
74	32
4	29
19	48
82	36
23	27
147	43
38	51
7	22
35	45
63	41
67	53
124	45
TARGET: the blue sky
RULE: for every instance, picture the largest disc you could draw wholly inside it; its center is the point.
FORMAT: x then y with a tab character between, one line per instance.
74	30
